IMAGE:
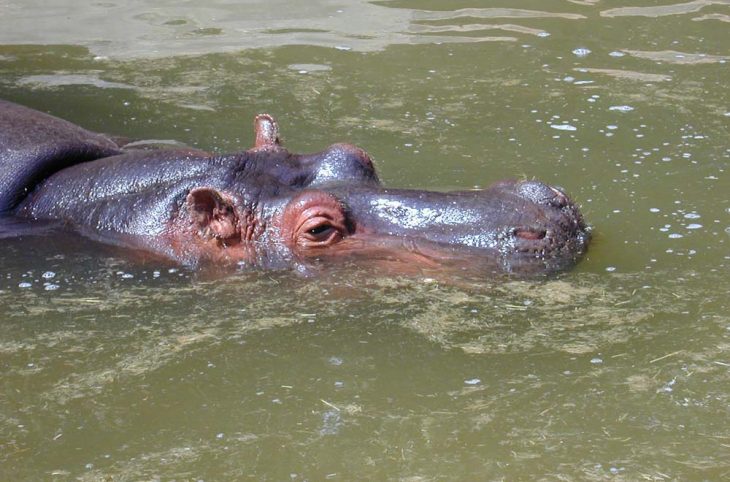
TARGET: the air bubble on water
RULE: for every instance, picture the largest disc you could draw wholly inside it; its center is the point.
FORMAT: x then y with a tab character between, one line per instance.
568	79
50	287
581	52
343	48
610	269
543	34
621	108
694	226
48	275
220	435
654	210
692	216
24	285
564	127
336	361
472	381
675	236
668	387
611	127
596	361
616	53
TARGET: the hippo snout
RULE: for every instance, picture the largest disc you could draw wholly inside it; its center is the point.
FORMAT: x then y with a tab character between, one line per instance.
550	223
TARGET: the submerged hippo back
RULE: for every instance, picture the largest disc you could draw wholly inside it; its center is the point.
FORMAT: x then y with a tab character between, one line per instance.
34	145
133	193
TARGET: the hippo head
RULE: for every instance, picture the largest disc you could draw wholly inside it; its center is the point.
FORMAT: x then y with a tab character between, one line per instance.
271	207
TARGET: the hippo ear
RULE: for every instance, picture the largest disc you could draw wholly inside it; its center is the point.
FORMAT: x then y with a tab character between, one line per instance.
212	213
266	131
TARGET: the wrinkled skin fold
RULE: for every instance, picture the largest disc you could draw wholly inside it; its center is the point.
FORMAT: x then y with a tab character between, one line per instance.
266	207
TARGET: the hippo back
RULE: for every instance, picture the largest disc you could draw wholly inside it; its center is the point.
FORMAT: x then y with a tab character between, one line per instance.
34	145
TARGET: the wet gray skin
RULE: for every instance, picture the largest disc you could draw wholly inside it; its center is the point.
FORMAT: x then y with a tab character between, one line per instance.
276	207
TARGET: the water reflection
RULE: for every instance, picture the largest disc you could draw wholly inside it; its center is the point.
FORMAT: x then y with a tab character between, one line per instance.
168	376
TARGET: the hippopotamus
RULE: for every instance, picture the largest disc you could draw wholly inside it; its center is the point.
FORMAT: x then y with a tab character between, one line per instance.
267	207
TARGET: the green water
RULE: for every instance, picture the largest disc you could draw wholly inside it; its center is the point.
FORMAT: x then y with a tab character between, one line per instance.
618	369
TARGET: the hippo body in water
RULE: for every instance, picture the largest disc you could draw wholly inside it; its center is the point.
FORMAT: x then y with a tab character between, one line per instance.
267	207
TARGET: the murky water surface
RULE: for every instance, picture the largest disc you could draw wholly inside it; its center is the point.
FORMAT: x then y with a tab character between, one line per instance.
619	369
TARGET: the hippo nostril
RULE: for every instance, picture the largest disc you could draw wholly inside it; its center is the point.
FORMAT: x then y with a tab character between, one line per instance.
530	234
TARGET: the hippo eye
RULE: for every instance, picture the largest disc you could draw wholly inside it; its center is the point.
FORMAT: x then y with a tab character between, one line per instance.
319	231
312	221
